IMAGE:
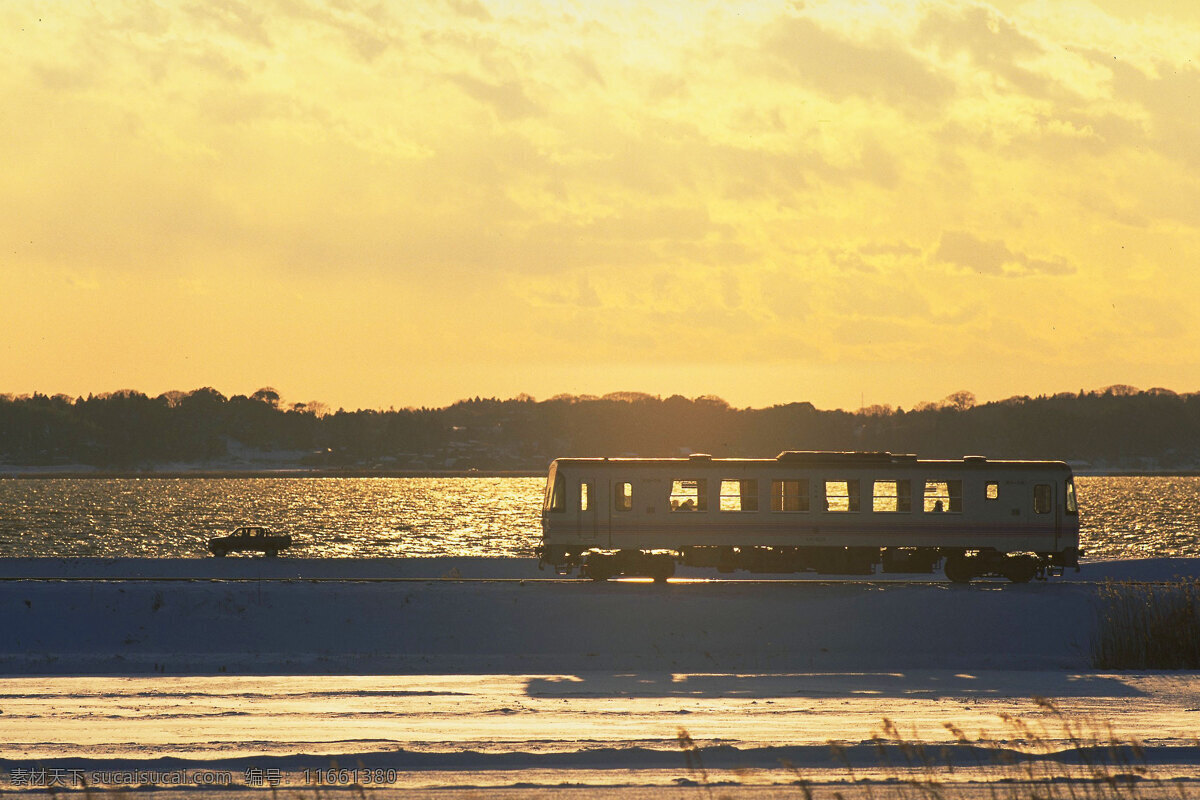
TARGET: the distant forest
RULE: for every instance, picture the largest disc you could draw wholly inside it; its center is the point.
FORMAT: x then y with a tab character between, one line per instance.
1117	428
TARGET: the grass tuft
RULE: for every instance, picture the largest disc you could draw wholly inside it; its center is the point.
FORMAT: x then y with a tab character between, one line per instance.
1047	755
1148	626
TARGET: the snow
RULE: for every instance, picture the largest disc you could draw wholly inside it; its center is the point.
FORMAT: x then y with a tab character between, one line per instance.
591	728
196	616
485	672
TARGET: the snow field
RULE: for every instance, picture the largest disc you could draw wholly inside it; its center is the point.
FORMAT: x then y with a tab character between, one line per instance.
520	686
306	620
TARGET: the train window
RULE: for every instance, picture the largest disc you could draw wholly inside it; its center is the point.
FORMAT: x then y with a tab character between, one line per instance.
1041	498
739	495
841	495
558	495
789	495
623	497
689	495
943	496
1072	504
892	496
992	492
585	496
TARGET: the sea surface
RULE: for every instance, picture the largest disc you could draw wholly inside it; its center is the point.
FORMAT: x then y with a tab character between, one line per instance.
1121	517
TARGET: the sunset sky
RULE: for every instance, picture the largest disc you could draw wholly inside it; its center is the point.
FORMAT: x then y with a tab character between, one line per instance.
378	204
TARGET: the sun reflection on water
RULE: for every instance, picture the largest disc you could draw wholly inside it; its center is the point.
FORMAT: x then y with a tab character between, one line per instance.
389	517
328	517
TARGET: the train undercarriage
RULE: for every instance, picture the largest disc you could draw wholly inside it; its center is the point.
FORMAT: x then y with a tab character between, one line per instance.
960	565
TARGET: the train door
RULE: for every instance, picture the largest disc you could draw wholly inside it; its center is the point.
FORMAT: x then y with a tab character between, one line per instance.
1058	513
654	492
587	506
1047	511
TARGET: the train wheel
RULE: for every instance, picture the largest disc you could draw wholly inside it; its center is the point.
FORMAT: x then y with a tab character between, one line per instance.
959	569
1019	569
663	569
598	569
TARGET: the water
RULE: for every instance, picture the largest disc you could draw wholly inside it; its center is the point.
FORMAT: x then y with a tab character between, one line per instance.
373	517
328	517
1139	517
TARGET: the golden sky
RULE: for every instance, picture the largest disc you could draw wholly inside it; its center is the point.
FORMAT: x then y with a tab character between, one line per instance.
380	204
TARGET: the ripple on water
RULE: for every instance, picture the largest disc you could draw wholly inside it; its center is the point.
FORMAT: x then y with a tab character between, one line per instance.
388	517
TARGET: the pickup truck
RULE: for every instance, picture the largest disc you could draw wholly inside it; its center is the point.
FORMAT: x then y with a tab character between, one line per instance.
253	538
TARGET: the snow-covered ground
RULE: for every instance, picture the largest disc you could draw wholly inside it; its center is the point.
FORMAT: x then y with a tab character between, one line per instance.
414	667
594	729
119	616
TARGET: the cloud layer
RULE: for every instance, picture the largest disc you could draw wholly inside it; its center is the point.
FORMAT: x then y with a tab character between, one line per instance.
377	203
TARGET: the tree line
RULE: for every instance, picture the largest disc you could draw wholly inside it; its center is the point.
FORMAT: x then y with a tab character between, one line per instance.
1118	427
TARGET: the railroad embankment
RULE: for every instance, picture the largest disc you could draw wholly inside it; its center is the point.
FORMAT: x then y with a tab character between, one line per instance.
262	616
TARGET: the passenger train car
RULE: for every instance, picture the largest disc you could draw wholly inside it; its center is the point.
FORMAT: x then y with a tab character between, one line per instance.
832	512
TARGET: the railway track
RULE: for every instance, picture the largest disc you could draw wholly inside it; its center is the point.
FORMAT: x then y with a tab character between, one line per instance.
984	583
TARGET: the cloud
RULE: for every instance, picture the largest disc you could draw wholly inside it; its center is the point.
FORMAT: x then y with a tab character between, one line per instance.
367	27
889	249
990	40
608	172
1171	99
472	9
979	30
508	99
586	66
58	78
849	261
969	252
841	68
234	18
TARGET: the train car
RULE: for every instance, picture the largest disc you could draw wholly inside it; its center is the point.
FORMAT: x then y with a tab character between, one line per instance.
829	512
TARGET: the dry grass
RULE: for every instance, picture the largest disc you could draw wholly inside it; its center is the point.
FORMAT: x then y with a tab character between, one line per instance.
1148	626
1049	757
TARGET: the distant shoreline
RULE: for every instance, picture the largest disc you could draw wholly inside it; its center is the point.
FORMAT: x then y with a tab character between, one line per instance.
1138	473
301	472
275	473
